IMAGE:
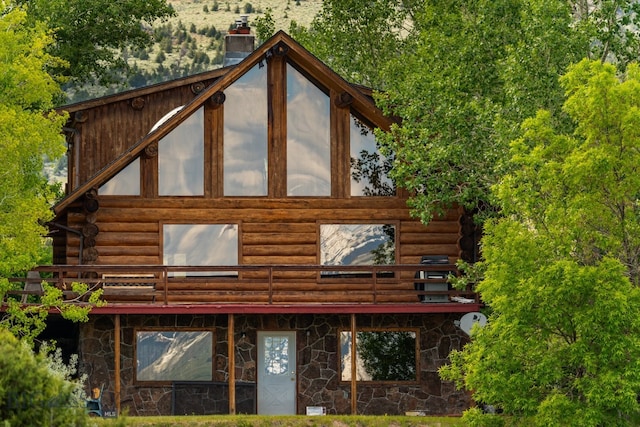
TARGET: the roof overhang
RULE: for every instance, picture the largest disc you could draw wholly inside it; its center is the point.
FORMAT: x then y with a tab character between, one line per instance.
418	308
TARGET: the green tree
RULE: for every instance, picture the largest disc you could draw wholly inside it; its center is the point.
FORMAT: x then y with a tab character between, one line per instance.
343	32
462	76
29	131
265	26
90	33
561	268
36	390
483	68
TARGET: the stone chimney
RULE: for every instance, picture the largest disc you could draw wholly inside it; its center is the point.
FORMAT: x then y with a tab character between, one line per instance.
239	42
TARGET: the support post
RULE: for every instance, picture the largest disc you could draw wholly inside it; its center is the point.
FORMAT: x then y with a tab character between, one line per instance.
232	364
354	372
116	340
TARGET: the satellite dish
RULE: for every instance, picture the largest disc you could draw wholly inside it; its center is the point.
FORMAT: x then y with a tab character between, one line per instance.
467	321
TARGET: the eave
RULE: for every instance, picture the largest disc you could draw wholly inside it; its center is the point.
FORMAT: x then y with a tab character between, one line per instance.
418	308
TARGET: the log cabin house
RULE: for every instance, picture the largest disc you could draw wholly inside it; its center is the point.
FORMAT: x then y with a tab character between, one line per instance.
242	227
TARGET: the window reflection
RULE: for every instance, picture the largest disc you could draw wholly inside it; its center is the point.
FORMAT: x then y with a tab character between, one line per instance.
124	183
181	159
245	135
308	138
369	168
174	356
357	244
276	355
380	356
200	244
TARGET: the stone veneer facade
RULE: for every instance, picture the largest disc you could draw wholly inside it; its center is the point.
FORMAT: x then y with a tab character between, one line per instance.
317	358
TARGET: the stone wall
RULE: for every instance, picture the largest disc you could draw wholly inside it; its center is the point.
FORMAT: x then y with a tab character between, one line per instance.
319	382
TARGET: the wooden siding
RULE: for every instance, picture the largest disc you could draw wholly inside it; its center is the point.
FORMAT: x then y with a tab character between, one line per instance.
271	232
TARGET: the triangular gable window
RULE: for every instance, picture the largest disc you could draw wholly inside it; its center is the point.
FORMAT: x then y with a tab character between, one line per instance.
125	183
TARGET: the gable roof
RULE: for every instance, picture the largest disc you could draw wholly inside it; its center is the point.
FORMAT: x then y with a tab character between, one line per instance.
281	44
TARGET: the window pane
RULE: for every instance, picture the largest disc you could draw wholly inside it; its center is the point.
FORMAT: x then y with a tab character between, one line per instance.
308	138
380	356
369	168
125	183
245	135
174	356
357	244
276	355
181	159
200	244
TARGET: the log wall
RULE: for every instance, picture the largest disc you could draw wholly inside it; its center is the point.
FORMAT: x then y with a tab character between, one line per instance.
271	232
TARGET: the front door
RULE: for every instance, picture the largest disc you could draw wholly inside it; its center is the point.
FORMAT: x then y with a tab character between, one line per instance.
277	372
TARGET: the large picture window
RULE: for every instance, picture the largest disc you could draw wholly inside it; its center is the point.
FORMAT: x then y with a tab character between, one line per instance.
181	158
200	245
369	168
169	355
381	355
357	244
308	137
245	135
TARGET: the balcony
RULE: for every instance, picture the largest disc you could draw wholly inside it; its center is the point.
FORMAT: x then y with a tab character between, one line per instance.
272	286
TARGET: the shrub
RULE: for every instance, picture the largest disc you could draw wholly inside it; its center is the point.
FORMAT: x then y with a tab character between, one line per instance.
36	390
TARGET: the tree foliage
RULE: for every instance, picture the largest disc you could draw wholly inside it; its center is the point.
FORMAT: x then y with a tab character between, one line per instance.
36	390
90	33
462	76
29	131
562	345
265	26
356	38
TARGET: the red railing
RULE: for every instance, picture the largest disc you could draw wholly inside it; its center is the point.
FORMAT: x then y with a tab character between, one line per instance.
260	284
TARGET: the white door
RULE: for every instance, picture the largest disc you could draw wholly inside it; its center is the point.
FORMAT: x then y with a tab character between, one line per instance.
277	372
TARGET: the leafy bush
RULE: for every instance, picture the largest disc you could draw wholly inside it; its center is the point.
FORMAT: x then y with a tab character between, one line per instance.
36	389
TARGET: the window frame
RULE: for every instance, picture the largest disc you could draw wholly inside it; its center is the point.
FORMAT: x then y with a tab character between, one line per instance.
202	110
358	116
166	382
286	120
220	142
415	330
387	276
222	274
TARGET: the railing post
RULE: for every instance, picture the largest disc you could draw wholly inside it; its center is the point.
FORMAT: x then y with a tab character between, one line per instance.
165	284
375	284
270	269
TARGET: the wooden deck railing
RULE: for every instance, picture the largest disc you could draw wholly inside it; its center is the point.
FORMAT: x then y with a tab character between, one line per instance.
263	284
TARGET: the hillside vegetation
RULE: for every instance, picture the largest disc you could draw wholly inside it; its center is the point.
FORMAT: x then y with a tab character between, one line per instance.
193	40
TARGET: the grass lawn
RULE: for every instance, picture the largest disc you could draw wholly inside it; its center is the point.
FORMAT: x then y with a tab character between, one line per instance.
279	421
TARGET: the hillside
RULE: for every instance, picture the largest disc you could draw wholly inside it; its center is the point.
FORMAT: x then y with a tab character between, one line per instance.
192	41
283	11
